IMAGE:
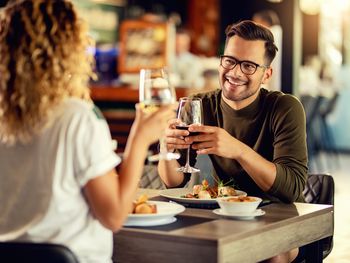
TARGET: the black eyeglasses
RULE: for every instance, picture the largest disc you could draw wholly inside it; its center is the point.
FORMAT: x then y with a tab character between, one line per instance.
247	67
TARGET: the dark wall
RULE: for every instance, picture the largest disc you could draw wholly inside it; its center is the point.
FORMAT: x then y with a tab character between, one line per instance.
3	3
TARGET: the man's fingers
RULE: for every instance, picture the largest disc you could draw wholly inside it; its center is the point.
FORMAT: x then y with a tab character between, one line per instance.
177	146
199	138
202	145
201	128
176	141
176	133
205	151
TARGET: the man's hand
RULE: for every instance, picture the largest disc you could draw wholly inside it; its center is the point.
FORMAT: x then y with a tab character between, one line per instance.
214	140
175	138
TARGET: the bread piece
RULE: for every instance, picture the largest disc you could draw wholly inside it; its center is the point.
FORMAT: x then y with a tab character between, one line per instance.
143	209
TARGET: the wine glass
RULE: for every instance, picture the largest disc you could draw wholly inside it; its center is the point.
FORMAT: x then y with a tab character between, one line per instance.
189	112
155	91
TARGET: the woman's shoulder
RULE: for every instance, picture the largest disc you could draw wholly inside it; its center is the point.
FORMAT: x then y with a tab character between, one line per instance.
77	109
77	104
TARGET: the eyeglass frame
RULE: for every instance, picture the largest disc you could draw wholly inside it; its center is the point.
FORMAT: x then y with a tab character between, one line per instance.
240	64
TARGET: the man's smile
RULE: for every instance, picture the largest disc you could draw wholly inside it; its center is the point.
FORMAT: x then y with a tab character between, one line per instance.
234	81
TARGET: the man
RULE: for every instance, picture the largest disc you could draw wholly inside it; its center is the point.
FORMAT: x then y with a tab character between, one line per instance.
253	136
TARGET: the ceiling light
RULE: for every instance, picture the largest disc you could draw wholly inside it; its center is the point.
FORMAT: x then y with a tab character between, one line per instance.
310	7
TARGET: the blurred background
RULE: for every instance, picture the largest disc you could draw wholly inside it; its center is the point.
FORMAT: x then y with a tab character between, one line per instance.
313	37
187	36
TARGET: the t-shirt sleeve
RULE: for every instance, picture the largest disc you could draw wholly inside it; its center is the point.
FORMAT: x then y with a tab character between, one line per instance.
93	146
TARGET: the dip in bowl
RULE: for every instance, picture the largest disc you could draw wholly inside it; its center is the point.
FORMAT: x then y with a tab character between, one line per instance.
239	204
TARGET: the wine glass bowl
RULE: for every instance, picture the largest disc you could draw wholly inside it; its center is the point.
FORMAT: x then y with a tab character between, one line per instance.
154	91
189	112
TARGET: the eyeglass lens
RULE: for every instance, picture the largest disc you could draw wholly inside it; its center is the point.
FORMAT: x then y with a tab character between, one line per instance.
246	67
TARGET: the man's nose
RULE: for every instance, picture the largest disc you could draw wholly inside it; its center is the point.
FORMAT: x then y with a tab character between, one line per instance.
236	70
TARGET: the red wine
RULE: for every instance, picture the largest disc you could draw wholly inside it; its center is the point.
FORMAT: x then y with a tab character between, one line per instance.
186	128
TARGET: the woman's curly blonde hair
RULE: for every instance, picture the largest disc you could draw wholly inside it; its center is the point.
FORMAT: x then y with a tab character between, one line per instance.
44	59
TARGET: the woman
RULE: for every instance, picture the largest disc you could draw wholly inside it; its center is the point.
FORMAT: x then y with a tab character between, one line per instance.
58	182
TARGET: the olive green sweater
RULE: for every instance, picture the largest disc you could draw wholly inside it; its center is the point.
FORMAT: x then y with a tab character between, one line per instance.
274	126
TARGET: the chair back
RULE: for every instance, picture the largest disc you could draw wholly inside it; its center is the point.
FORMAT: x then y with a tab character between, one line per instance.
18	252
319	189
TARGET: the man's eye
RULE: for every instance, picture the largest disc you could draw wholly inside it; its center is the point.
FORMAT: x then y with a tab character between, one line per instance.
230	61
248	66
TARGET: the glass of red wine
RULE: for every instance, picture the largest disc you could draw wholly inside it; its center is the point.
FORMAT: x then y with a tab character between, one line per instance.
189	112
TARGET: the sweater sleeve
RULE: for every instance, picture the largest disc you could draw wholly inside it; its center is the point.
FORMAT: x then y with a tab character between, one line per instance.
290	150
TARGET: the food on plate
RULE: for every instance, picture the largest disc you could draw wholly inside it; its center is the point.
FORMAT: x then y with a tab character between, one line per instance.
204	194
141	206
242	199
226	191
204	191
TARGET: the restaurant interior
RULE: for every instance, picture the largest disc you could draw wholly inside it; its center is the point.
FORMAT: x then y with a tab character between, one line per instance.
313	37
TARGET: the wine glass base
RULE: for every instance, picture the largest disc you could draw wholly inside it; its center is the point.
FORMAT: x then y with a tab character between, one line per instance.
163	156
188	169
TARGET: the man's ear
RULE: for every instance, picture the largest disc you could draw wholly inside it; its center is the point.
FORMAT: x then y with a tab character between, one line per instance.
267	75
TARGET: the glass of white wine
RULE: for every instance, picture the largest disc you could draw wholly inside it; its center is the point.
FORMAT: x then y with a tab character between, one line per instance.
155	91
189	112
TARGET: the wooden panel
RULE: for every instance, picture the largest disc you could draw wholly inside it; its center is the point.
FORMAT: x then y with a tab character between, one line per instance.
117	94
204	22
127	93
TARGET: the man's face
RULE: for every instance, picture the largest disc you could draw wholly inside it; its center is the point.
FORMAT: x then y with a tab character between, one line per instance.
240	89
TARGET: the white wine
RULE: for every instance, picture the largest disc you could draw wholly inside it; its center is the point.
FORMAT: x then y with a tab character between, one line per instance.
150	107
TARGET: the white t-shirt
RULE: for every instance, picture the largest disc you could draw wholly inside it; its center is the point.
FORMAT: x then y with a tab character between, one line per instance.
76	148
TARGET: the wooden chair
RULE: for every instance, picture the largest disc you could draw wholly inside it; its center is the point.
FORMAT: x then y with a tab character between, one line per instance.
19	252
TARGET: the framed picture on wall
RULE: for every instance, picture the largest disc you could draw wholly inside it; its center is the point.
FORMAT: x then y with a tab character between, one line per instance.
145	44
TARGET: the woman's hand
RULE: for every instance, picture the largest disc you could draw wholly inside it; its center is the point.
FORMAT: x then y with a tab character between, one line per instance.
151	126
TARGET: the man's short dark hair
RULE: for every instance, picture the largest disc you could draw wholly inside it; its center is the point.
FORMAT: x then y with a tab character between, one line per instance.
250	30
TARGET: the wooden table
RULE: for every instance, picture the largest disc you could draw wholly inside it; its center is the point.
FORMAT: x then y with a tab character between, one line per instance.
199	235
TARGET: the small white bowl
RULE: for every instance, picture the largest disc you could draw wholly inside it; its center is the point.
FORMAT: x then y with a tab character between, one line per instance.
239	204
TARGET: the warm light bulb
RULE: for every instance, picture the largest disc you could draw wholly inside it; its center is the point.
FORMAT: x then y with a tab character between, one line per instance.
310	7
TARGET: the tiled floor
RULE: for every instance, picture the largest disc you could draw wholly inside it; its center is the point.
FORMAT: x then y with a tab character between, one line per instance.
339	167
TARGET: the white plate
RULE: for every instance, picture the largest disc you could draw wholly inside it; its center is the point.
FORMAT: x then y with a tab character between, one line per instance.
165	215
154	222
257	212
176	193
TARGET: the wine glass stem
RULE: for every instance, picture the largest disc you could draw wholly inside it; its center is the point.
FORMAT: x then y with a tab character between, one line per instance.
188	157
